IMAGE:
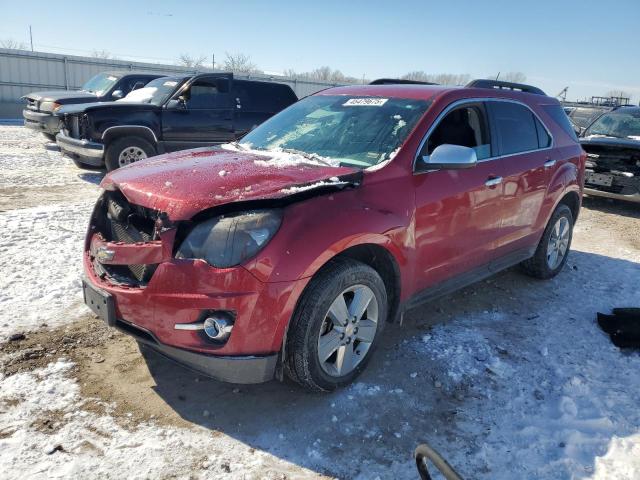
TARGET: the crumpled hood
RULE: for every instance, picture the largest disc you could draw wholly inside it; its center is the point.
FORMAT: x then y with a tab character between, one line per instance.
61	96
183	184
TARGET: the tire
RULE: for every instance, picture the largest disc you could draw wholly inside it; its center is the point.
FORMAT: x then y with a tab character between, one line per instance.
540	265
116	152
49	136
346	279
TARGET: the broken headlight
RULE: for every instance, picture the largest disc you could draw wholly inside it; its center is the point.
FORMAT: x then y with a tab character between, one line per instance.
229	240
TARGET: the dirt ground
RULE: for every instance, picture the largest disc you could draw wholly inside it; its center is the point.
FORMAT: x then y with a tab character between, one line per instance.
135	385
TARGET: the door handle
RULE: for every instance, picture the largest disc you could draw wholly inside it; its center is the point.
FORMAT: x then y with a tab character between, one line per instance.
549	163
493	181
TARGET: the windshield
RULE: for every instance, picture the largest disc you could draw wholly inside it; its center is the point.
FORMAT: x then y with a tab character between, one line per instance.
622	123
156	91
352	131
100	84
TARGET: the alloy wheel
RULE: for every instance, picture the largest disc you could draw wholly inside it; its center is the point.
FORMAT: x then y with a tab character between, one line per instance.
558	243
348	330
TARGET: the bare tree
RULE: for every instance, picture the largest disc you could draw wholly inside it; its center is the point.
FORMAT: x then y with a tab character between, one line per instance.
102	54
515	77
439	78
239	62
12	44
187	60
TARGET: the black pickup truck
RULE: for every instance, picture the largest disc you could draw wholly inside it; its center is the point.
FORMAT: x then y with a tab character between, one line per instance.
170	113
104	87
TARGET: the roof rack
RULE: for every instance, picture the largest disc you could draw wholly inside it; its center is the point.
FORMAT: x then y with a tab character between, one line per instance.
500	85
398	81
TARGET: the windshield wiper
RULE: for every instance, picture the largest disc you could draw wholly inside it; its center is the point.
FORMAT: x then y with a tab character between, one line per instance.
309	156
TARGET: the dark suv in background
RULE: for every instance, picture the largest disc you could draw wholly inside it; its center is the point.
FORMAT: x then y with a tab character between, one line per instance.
170	113
104	87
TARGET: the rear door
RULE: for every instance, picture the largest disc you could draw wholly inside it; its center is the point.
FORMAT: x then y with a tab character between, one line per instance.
458	213
523	145
199	114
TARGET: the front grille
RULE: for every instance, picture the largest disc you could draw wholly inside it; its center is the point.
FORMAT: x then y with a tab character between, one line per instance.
32	104
121	221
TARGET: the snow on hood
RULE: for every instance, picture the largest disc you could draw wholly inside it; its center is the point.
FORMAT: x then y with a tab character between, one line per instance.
185	183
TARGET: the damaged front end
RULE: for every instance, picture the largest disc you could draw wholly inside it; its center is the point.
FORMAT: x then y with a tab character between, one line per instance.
613	168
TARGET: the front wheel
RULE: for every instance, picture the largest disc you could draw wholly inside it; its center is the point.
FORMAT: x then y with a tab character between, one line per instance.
127	150
336	326
553	250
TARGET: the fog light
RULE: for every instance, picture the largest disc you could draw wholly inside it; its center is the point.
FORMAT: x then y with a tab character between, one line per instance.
218	326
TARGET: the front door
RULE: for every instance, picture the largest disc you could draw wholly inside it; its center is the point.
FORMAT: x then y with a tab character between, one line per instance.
458	215
199	114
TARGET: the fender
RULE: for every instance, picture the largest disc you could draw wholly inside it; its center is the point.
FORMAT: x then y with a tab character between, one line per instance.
311	244
134	130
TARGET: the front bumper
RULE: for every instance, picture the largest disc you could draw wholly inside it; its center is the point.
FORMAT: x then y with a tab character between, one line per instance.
91	153
182	292
43	122
232	369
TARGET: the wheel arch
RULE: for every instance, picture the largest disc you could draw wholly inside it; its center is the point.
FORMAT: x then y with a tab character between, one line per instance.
120	131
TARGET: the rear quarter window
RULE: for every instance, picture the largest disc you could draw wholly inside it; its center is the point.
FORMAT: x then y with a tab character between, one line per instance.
556	112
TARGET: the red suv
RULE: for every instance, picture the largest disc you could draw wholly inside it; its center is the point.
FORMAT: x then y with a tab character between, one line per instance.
289	251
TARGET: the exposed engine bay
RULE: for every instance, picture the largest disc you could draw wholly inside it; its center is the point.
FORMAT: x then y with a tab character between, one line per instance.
613	168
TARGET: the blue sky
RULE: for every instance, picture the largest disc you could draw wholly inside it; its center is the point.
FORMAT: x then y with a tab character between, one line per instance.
590	46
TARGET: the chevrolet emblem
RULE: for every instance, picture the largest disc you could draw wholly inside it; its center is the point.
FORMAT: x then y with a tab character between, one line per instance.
103	254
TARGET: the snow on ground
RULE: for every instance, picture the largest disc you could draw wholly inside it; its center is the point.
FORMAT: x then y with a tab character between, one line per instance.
510	378
87	445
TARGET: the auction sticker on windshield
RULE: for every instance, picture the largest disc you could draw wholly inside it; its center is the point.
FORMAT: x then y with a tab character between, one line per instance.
365	102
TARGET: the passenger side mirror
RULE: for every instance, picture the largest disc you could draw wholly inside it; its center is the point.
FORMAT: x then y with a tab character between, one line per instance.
117	94
450	157
579	130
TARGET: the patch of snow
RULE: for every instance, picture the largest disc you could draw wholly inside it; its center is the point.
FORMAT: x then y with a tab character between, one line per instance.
311	186
83	444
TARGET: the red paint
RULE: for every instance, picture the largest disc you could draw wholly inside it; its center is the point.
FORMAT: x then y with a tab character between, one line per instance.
434	225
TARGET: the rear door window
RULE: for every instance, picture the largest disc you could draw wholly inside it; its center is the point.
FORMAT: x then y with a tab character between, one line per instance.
515	128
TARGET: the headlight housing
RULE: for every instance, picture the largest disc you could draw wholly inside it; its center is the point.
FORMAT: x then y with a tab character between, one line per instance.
228	240
49	106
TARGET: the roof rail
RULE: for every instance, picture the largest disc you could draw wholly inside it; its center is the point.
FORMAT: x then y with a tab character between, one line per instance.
500	85
399	81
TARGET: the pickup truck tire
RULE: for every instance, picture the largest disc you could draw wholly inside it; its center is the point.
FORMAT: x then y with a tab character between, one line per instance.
125	150
556	238
325	350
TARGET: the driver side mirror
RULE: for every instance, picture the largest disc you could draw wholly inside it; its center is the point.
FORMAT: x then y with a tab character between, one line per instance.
179	103
117	94
579	130
450	157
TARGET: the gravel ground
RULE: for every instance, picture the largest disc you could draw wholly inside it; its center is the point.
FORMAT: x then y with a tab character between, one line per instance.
509	378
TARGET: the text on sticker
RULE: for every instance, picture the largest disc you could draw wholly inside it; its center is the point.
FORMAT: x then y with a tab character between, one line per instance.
365	102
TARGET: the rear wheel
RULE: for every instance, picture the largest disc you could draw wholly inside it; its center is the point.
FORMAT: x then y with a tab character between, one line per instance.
553	249
336	326
126	150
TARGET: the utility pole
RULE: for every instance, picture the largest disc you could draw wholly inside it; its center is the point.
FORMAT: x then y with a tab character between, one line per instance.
213	61
31	37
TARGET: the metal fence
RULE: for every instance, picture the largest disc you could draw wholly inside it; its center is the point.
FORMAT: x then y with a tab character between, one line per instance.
22	71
